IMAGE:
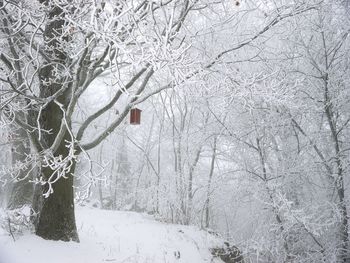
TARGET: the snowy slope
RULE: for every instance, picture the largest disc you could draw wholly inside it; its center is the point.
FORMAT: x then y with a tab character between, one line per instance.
109	236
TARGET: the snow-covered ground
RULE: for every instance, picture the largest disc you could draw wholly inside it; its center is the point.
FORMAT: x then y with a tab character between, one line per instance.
110	236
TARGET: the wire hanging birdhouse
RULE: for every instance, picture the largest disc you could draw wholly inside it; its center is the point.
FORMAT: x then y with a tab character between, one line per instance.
135	116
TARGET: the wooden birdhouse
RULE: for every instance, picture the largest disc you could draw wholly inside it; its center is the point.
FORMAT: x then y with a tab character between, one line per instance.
135	116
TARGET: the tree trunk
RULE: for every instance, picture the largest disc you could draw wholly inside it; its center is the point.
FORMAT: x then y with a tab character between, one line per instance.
189	206
275	209
339	182
207	201
100	190
56	219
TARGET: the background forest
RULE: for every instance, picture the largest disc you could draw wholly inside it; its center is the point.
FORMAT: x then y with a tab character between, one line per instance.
245	122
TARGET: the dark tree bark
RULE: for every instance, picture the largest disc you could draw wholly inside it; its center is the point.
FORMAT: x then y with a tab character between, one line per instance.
56	219
211	173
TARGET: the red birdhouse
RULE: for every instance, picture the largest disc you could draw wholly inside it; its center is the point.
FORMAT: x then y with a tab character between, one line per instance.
135	116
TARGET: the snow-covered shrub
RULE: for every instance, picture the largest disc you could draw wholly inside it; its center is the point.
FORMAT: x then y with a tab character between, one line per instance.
16	221
228	253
